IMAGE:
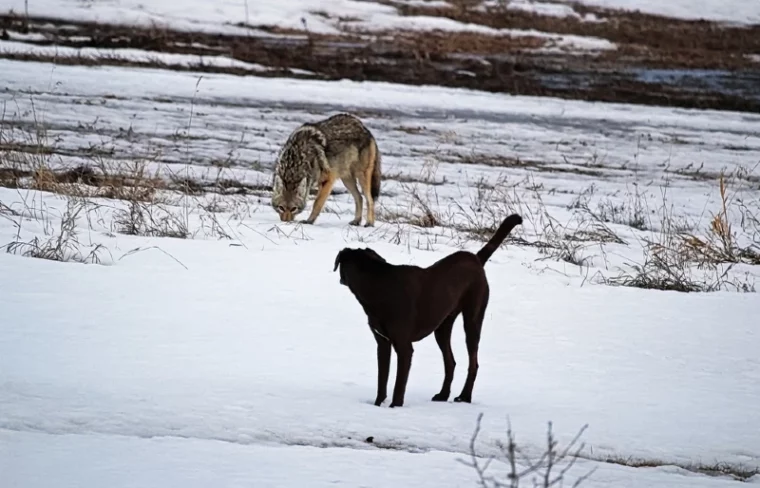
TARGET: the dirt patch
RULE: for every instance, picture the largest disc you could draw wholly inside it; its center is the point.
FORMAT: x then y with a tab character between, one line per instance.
653	39
438	43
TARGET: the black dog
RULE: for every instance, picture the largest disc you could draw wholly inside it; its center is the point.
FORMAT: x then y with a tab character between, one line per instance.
404	304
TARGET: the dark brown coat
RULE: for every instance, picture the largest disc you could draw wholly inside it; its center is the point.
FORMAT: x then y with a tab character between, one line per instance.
405	304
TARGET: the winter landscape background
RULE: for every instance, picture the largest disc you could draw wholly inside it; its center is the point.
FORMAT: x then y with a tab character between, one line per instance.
161	327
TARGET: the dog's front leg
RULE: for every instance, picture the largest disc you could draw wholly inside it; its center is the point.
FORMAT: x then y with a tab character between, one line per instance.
404	353
383	367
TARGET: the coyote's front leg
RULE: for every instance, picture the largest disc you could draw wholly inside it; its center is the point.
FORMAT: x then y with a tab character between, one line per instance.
325	187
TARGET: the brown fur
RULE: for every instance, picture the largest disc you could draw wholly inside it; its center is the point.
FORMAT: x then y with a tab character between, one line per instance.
404	304
339	147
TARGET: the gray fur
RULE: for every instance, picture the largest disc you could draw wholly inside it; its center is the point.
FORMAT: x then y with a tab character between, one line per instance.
337	147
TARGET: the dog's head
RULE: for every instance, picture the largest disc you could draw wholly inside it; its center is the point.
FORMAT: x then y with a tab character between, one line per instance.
349	259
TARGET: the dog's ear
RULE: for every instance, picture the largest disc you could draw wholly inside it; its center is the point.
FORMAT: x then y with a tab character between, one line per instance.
372	254
337	260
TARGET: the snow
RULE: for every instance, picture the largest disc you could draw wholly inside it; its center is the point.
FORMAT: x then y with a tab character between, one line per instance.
130	55
734	11
368	95
21	37
260	345
160	462
163	462
332	17
428	23
201	15
321	17
539	8
243	361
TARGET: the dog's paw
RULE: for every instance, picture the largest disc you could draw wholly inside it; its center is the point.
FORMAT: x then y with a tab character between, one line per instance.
463	399
441	397
379	401
394	404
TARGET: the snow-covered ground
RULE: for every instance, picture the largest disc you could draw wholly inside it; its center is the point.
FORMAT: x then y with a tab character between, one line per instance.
200	15
733	11
235	358
162	359
127	55
333	15
333	18
456	148
242	361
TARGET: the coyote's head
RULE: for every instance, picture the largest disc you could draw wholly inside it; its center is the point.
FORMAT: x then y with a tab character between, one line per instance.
289	198
298	164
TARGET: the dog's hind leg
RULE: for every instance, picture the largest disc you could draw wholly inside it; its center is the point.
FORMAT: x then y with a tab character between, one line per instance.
473	316
404	353
383	368
443	338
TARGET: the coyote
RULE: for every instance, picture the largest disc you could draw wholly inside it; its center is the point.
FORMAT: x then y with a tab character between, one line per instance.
337	147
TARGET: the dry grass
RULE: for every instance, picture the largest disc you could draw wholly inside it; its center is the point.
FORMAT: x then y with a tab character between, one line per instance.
737	472
151	205
143	202
678	260
547	470
61	244
721	242
674	258
178	204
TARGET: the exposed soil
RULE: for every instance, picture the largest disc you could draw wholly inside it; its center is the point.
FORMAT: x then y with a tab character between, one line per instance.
649	40
659	61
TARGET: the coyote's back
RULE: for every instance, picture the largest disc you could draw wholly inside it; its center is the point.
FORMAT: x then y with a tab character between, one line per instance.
337	147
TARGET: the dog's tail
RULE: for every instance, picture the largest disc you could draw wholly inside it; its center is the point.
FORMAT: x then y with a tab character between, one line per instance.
501	233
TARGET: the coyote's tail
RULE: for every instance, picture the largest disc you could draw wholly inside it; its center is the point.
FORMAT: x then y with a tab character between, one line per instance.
376	172
501	233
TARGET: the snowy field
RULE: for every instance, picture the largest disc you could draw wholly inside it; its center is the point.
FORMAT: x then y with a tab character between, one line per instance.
233	357
210	350
333	15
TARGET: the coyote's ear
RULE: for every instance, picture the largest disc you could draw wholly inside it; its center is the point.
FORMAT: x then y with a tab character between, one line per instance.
337	260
